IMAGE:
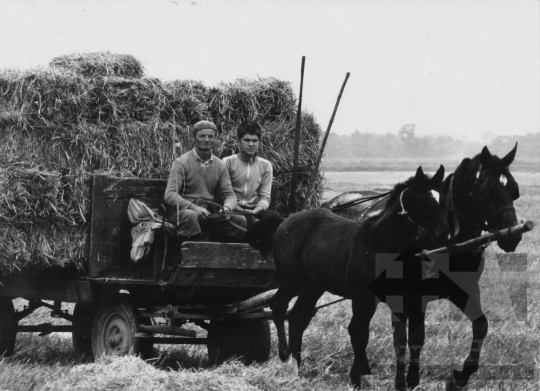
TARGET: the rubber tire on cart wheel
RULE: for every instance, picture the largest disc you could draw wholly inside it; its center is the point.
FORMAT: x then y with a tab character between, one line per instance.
247	340
83	320
114	330
8	326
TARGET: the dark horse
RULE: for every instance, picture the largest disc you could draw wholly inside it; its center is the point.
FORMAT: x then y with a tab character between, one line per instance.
316	251
478	196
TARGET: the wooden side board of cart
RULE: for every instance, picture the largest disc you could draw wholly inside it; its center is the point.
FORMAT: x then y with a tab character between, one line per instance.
122	307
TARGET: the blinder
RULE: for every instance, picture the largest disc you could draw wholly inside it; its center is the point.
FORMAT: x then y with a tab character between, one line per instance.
480	190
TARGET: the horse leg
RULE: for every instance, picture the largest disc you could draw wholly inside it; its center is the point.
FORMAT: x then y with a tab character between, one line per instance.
417	336
299	318
279	305
400	345
363	310
472	308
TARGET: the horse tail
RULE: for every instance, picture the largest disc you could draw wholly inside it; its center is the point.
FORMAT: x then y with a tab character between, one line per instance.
261	234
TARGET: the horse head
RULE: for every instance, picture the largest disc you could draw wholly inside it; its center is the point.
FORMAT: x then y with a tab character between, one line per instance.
420	202
261	235
485	191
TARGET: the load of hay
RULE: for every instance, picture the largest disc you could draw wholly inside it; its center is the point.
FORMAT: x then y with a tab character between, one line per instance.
100	64
97	113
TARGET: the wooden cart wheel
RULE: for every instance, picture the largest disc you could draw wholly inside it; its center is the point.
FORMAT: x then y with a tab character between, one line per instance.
114	330
8	326
83	319
247	340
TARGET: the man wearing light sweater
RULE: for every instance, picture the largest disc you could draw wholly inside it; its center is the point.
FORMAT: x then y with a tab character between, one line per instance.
251	176
196	180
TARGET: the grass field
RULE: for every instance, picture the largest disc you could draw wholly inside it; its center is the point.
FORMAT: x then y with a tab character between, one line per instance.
510	356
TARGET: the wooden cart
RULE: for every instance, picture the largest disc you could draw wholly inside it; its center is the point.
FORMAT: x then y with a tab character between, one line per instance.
122	307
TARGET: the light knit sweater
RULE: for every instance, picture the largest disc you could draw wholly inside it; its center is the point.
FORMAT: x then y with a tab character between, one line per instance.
251	180
190	178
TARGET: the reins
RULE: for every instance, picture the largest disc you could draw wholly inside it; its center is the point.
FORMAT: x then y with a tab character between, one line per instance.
358	201
481	225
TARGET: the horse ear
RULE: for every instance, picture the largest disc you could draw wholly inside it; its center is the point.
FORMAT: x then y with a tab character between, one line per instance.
439	176
419	174
508	159
485	157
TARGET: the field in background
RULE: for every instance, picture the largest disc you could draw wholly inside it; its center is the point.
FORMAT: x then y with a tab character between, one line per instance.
411	164
511	299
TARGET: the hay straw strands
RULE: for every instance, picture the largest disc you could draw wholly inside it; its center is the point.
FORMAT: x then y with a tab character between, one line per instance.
262	100
100	64
33	250
37	198
132	373
44	95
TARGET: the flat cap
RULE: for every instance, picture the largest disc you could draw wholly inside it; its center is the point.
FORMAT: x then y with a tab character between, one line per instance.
203	125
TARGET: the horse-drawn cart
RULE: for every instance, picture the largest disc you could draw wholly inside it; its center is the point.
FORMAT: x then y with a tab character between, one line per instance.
123	307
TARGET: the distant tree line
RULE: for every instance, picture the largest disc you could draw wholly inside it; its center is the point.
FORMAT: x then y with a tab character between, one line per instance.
528	145
406	143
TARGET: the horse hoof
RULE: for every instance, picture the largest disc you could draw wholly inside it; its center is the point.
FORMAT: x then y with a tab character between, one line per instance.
292	366
413	385
400	385
366	381
451	384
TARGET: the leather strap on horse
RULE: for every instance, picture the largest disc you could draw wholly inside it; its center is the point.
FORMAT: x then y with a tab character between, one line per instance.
451	208
329	304
358	201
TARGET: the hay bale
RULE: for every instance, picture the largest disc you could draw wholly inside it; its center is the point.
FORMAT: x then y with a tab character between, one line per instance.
44	97
48	97
43	218
70	127
33	250
100	64
261	100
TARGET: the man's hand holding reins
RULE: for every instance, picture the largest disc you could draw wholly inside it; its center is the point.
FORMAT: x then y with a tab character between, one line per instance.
201	212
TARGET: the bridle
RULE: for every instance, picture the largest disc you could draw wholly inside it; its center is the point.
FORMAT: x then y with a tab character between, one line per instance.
484	186
476	191
403	212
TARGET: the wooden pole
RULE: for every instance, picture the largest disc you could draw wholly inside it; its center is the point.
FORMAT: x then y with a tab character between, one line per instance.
473	243
292	198
323	145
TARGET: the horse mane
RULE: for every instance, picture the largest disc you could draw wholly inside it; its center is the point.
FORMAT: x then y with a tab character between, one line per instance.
401	186
398	189
469	166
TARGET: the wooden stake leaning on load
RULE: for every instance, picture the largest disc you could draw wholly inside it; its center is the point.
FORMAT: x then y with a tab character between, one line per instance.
315	171
476	242
292	196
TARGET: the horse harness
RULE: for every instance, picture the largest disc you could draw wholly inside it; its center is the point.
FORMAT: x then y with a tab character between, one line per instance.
483	187
479	187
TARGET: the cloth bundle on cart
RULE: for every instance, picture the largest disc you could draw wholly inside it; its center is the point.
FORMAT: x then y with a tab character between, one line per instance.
147	221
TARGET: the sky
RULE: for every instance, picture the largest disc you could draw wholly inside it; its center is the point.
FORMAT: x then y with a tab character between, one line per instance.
466	68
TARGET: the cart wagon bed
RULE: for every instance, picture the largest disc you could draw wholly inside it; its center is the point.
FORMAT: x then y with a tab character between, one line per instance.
201	282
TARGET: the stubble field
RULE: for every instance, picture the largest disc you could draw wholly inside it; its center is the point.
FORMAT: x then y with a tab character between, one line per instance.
510	356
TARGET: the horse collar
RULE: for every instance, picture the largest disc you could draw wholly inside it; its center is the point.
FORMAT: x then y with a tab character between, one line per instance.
403	211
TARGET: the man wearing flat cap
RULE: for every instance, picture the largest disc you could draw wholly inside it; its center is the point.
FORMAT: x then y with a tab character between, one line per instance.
195	181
